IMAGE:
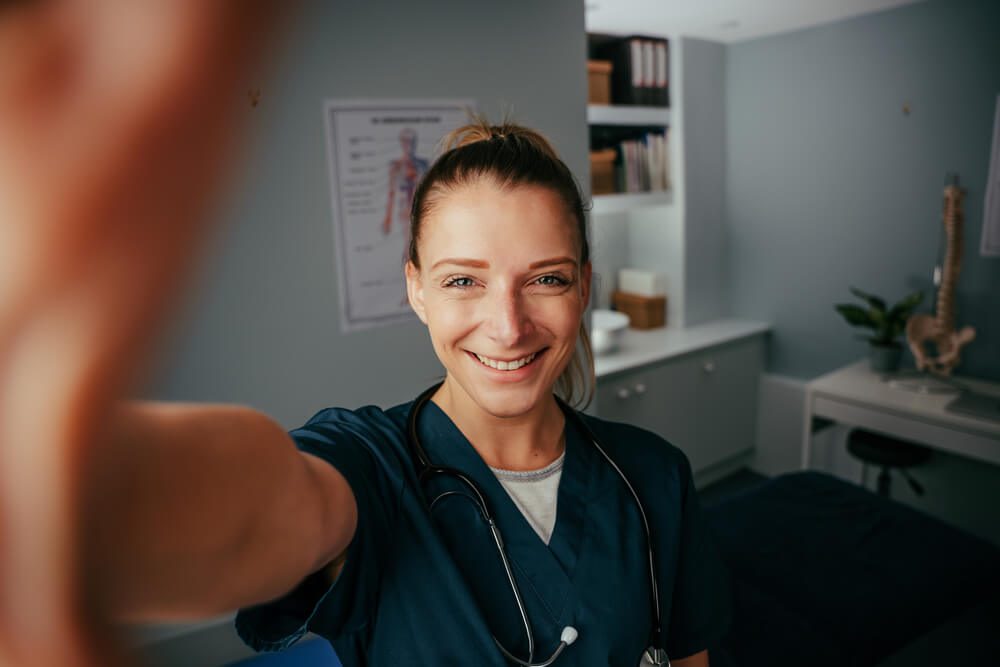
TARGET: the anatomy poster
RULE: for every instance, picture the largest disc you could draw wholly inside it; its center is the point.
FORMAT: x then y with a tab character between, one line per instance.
378	151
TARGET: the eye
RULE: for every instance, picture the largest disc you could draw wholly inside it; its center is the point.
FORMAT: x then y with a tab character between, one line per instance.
462	282
552	280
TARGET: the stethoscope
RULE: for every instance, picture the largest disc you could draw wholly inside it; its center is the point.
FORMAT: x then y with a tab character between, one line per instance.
426	469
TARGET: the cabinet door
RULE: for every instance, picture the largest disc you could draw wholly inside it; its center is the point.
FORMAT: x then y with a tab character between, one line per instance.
660	398
727	401
670	403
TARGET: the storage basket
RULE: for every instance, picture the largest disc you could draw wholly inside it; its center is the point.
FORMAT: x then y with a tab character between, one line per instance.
602	171
599	82
644	312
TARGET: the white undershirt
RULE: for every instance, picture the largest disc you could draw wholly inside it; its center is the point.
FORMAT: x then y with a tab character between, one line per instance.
535	492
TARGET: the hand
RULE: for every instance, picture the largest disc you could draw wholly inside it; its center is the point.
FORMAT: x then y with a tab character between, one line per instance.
116	119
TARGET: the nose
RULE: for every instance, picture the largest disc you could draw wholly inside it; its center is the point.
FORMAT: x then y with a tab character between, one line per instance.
509	319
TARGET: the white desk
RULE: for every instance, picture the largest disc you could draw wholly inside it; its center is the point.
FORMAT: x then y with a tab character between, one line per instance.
856	396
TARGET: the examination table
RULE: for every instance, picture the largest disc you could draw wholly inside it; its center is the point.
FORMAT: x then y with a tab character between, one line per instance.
824	572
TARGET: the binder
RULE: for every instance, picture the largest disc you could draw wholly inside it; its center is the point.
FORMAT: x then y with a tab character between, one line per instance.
627	73
644	163
634	94
640	74
648	93
662	75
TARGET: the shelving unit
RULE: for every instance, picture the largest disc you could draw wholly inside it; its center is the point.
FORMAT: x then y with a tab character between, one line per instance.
605	114
614	124
679	233
635	131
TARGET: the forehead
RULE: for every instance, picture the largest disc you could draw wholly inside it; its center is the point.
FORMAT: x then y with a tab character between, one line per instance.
501	225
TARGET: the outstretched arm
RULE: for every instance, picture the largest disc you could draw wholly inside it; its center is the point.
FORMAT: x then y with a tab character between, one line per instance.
116	120
193	510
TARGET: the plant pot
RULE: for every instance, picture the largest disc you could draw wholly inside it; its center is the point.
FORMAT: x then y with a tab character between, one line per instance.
885	358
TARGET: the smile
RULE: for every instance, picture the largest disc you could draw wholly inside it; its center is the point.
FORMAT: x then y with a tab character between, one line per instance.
506	365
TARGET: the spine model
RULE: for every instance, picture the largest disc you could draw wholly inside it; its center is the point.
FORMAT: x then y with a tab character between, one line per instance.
932	338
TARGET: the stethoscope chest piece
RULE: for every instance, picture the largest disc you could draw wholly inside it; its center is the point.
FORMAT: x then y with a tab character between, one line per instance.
657	656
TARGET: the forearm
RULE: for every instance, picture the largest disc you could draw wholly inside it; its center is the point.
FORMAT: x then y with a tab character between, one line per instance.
193	510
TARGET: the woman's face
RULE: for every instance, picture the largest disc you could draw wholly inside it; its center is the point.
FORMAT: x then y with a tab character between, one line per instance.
502	291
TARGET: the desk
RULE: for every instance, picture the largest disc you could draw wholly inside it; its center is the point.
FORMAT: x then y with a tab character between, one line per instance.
856	396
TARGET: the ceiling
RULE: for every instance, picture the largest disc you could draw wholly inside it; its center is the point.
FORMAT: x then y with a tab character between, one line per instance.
723	20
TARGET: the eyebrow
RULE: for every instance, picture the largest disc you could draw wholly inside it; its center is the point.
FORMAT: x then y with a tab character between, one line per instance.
481	264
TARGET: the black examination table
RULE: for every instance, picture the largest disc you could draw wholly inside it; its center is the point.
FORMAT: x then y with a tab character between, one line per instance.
827	573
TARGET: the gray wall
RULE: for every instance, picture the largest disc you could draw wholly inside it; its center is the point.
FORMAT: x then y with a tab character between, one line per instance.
829	184
706	270
261	326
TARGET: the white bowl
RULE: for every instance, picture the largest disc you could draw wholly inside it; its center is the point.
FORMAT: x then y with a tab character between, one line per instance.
606	329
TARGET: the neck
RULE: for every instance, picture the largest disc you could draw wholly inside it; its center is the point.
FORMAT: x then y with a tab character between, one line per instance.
523	442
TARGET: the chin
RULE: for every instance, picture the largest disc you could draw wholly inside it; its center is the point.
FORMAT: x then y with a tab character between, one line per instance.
509	403
505	401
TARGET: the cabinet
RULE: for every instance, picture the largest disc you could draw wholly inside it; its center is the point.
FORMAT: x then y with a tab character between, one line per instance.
705	402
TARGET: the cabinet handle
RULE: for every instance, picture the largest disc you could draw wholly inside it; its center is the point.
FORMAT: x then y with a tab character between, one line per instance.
639	388
708	367
624	393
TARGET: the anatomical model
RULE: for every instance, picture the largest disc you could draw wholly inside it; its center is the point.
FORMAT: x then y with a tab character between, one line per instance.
939	329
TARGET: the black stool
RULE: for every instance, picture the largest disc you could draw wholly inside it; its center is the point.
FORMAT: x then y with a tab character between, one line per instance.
888	453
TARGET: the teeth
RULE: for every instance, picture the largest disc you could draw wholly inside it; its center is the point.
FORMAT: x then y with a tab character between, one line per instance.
506	365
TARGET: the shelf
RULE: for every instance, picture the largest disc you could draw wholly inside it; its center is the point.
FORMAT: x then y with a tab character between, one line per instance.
598	114
629	200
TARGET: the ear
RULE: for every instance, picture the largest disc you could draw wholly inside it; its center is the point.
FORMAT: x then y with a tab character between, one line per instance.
586	275
415	291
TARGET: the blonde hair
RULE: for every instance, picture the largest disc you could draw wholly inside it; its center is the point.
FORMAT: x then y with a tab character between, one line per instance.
511	155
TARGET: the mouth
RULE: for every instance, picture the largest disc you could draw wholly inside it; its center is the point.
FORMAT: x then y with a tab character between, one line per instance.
508	365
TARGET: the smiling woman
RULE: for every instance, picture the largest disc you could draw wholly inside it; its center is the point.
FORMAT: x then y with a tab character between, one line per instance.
473	501
487	522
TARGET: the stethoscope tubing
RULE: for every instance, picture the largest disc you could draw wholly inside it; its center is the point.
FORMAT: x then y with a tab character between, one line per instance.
427	469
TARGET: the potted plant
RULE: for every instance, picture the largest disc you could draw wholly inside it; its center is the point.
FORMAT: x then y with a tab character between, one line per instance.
887	325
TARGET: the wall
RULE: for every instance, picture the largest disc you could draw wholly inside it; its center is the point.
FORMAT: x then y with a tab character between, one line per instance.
706	273
262	327
829	184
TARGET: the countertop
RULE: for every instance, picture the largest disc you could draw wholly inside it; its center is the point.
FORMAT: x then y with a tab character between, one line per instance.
639	348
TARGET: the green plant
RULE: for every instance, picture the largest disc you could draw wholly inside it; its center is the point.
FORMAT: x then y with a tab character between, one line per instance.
888	325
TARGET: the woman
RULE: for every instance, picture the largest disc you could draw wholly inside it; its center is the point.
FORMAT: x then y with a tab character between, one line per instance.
499	272
153	511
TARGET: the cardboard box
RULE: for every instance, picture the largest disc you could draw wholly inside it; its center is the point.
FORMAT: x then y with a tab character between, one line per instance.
602	172
644	312
598	82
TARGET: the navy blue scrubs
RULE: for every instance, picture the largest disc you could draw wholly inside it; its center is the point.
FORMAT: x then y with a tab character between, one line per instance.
422	588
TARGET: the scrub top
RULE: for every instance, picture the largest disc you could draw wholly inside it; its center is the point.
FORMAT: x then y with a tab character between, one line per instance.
428	588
